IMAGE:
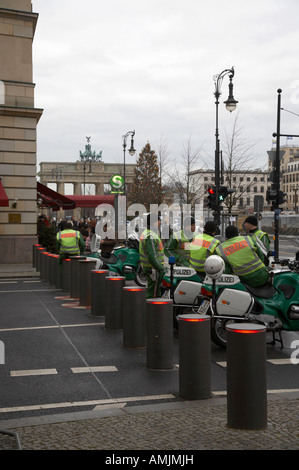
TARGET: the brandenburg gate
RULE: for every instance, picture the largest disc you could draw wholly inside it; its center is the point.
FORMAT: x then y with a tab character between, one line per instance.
89	170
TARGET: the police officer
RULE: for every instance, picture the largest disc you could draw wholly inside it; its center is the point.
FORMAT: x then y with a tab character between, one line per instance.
152	255
70	242
178	245
203	246
242	257
260	238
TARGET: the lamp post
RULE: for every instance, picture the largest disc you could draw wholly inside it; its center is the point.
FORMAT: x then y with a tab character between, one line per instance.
230	105
131	152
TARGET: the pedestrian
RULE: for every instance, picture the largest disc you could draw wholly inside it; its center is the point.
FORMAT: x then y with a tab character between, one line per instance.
70	242
243	258
260	238
152	255
203	246
87	240
108	240
178	245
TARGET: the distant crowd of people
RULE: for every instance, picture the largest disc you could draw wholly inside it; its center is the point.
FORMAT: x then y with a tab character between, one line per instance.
84	226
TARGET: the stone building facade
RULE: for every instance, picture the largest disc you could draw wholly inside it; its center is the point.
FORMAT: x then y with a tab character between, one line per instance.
18	123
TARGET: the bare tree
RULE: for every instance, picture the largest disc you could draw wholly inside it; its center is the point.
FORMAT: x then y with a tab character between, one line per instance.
164	163
182	179
238	159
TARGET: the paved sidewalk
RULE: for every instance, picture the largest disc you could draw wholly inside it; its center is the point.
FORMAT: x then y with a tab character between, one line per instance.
186	425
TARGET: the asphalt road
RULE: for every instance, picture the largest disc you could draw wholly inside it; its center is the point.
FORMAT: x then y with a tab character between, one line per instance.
60	359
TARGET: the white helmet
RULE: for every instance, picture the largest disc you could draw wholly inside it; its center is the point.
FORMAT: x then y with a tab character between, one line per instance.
214	266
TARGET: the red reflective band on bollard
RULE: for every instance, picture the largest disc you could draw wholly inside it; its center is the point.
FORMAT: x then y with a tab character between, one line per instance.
134	289
194	318
239	328
115	278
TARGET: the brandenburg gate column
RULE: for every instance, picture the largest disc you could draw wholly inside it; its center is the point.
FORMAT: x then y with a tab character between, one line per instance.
60	188
99	187
77	189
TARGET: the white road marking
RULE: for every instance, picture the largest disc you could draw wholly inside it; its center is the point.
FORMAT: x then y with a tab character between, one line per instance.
51	326
27	291
283	390
280	361
108	401
24	373
79	370
8	282
272	361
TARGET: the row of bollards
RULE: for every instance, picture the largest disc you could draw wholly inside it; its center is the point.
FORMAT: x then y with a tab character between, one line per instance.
149	323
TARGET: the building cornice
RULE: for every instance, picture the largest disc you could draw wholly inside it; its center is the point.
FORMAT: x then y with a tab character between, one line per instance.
21	112
20	15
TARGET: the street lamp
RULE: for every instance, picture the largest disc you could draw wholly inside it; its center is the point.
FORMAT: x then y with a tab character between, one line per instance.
230	105
131	152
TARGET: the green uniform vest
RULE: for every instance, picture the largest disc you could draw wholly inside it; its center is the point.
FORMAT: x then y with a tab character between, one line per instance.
157	248
202	246
69	242
240	254
183	245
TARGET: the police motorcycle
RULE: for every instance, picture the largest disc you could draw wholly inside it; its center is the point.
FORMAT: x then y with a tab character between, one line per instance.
226	299
122	261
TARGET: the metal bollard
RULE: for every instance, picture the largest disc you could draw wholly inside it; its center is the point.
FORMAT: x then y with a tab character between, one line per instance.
48	260
39	252
34	254
54	271
246	376
66	275
43	261
58	273
159	326
113	302
98	292
134	316
85	267
74	286
195	357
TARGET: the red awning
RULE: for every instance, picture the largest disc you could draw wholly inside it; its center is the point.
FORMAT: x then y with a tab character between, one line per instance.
91	201
4	201
52	199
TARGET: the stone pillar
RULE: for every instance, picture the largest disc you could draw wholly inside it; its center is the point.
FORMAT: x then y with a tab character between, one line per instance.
18	122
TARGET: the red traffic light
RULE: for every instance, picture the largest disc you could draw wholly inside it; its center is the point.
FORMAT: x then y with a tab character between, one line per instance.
211	191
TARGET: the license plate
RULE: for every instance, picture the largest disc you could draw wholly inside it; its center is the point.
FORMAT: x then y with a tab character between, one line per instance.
204	307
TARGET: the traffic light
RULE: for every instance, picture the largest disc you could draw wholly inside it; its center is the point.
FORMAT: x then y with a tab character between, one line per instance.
271	195
281	198
224	192
212	203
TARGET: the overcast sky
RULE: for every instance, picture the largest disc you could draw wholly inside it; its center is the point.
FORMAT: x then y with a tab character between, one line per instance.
103	68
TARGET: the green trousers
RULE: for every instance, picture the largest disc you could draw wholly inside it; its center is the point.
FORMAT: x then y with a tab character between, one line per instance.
153	286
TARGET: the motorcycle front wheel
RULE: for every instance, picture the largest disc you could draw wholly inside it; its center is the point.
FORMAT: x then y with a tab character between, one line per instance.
140	278
218	331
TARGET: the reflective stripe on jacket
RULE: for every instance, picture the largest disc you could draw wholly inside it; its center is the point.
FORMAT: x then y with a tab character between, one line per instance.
178	246
154	255
69	242
240	253
202	246
262	240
